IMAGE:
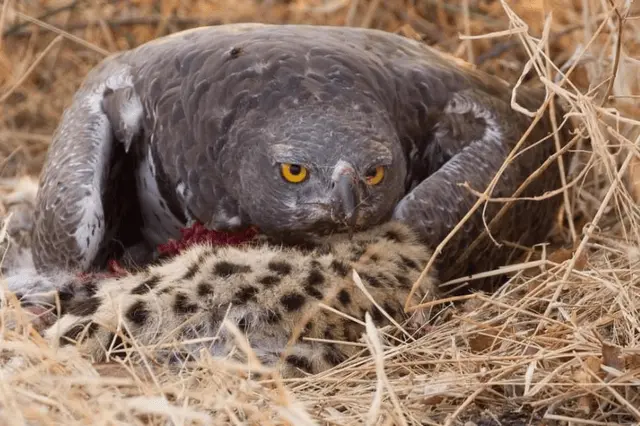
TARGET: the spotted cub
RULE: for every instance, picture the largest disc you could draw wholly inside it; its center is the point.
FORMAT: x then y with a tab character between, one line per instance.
271	293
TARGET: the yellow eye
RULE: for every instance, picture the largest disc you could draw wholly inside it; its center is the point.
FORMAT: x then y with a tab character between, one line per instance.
375	175
294	173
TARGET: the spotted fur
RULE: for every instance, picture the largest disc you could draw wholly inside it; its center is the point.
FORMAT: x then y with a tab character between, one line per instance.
269	292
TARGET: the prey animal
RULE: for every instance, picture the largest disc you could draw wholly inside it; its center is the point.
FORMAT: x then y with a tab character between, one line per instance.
295	130
300	310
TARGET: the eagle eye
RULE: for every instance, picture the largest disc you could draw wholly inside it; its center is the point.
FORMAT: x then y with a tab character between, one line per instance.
375	175
294	173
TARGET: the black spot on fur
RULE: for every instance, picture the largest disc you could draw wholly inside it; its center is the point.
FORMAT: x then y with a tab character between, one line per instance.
410	263
74	287
313	292
401	266
167	290
273	317
66	292
308	328
300	362
85	307
314	278
269	280
182	305
371	280
328	333
72	335
192	271
374	258
307	246
344	297
393	312
147	285
244	295
393	236
357	250
117	346
204	289
352	331
226	269
404	281
91	287
340	268
257	376
377	316
315	264
387	280
323	249
138	313
292	301
333	356
280	267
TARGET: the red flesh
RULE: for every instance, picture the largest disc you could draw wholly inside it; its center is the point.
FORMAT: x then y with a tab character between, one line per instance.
196	234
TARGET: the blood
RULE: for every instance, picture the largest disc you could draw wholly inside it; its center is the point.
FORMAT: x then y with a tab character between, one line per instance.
198	234
195	234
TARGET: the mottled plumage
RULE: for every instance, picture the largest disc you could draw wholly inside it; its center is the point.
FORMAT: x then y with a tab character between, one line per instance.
201	120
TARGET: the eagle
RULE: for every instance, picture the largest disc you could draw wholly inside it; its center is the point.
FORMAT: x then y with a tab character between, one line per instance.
293	130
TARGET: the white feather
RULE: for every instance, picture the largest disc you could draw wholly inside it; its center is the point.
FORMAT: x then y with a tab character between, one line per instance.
92	212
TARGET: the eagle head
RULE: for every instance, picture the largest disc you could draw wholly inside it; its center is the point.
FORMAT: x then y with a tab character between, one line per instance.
321	170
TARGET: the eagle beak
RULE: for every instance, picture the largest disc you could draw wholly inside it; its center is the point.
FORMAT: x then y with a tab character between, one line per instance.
346	198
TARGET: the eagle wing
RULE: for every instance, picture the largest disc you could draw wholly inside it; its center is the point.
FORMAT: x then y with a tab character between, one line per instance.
459	145
83	192
70	222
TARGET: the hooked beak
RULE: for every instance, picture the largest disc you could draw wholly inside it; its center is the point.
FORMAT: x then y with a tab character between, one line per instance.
347	198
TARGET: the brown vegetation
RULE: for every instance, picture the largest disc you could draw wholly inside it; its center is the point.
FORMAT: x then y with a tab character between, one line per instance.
559	344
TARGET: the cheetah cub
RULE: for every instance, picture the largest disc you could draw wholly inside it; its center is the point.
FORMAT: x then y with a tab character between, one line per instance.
271	293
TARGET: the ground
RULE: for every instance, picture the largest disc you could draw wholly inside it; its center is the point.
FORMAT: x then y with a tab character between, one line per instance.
559	343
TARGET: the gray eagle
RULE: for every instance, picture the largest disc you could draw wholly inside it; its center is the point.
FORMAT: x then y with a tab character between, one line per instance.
295	130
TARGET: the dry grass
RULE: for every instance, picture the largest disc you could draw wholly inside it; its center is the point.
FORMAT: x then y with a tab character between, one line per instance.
559	344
